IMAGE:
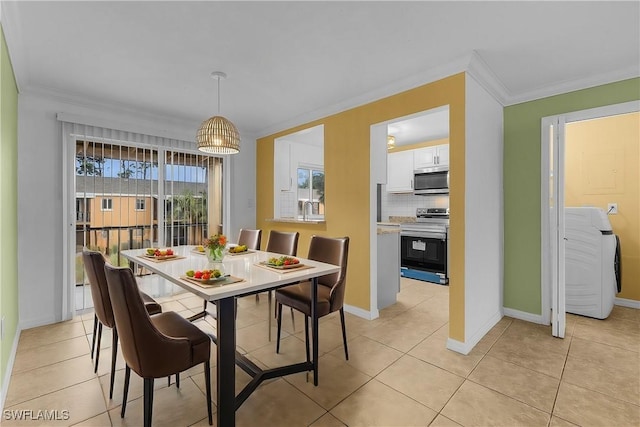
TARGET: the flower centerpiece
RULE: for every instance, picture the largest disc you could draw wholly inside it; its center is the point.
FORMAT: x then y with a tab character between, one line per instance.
217	246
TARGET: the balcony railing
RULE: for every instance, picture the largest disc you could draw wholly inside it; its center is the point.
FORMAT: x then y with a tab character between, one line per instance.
111	240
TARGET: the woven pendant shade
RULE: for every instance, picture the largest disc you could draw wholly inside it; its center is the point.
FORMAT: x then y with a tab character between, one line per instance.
218	135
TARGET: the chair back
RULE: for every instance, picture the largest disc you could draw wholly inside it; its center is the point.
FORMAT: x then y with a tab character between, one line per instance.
146	350
332	251
250	238
94	266
283	242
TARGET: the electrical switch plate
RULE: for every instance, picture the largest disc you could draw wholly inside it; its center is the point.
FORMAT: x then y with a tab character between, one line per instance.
612	208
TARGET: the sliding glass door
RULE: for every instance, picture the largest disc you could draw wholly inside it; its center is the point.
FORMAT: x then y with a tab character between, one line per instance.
132	196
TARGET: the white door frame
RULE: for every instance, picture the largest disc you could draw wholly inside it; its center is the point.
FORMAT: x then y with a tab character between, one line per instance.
551	292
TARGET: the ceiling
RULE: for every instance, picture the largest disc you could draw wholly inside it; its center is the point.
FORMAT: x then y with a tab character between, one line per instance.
291	62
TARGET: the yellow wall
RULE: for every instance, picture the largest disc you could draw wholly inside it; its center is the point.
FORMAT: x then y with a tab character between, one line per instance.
347	184
602	164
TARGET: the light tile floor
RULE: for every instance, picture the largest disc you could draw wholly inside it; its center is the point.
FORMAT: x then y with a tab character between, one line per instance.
399	372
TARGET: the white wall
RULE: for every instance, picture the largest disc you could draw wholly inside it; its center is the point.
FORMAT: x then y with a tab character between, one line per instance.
40	192
483	212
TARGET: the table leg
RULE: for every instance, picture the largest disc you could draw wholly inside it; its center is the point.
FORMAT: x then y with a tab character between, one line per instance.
226	369
314	327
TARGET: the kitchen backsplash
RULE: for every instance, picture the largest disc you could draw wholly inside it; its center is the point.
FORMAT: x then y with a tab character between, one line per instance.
405	204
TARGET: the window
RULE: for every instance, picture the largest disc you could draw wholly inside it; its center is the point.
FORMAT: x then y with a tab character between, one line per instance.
310	192
107	204
140	204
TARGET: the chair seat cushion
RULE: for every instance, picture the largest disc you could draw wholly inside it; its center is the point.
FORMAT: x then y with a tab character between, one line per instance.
150	304
173	325
298	296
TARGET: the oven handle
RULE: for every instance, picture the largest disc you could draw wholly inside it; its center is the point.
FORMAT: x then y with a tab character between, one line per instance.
424	234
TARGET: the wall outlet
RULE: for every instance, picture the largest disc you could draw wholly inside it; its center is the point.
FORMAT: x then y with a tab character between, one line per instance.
612	208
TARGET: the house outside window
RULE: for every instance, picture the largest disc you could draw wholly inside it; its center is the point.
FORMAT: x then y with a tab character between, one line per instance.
107	204
140	204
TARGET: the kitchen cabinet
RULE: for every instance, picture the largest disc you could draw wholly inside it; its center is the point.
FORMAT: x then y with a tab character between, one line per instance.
388	268
400	172
427	157
282	166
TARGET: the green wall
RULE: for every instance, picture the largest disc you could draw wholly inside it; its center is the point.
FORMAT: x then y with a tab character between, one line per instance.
8	206
522	125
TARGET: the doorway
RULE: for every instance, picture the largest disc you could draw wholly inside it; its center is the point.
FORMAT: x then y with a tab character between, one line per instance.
553	192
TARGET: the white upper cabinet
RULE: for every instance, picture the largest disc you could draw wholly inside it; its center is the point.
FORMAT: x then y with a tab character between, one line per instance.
400	172
438	155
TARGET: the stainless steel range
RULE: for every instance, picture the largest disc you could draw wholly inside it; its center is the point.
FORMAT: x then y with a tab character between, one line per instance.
424	246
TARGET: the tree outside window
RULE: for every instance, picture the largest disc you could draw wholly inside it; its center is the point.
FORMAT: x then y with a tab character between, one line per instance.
311	189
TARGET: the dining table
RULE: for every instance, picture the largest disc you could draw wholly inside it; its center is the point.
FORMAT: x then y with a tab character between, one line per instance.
244	273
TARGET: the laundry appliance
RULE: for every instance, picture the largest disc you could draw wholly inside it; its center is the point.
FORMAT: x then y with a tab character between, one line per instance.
592	262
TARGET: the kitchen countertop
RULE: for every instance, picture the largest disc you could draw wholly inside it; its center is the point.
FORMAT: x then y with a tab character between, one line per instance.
388	227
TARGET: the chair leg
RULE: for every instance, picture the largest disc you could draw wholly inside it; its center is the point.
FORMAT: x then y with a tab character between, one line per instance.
95	329
178	380
148	401
114	354
125	392
279	326
344	334
293	320
98	347
207	381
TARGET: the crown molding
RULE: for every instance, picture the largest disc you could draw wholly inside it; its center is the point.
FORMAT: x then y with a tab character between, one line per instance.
484	75
575	84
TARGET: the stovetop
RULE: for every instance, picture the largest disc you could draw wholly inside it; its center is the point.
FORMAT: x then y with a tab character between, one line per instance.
432	216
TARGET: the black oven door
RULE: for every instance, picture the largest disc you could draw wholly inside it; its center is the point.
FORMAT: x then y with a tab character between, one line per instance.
424	251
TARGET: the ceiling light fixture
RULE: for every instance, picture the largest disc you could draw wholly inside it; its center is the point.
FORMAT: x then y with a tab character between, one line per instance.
391	142
218	135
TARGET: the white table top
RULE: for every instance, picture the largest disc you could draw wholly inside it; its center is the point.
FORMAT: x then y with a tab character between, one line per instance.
244	266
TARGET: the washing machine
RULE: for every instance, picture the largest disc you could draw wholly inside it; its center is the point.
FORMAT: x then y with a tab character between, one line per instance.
592	262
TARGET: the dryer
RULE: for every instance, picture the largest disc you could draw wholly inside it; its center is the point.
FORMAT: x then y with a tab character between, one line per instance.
590	262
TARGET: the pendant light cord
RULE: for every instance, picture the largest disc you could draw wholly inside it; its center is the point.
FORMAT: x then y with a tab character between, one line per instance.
218	95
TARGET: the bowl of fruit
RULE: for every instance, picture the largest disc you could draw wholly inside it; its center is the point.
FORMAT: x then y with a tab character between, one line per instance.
239	249
157	253
283	262
205	276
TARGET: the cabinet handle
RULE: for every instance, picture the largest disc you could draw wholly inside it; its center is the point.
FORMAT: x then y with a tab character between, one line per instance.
412	184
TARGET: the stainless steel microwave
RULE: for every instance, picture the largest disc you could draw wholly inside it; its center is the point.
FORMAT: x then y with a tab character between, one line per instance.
432	180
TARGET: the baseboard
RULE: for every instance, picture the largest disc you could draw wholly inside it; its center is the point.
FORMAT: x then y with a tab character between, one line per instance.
624	302
523	315
7	373
34	323
467	346
357	311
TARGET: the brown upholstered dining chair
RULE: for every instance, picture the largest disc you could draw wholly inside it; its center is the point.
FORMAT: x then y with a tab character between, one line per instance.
154	346
285	243
94	263
330	287
250	238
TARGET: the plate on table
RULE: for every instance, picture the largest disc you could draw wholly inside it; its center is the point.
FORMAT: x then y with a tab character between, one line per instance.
160	257
246	251
206	281
281	267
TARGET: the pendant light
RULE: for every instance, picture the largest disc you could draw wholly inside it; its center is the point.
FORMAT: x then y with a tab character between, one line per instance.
218	135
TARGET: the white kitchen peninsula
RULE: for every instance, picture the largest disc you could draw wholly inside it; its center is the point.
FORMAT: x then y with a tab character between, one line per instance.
388	264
